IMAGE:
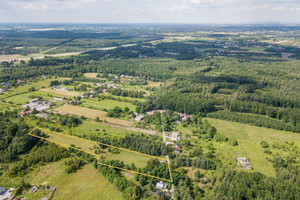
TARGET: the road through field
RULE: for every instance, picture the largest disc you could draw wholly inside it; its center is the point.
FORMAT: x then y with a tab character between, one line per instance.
9	58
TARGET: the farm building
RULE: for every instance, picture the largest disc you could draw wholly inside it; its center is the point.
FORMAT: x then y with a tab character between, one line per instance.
161	185
139	118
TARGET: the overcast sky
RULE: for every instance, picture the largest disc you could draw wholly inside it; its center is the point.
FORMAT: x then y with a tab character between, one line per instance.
150	11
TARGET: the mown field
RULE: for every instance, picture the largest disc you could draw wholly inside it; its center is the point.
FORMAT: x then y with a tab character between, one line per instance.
92	114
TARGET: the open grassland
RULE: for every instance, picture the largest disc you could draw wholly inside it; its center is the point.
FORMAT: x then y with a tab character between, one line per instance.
249	138
86	184
92	114
67	140
108	103
60	92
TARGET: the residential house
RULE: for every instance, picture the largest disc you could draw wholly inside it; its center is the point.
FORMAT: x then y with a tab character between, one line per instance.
104	90
23	112
161	185
177	150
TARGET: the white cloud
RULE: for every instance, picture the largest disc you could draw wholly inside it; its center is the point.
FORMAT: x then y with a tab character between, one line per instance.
193	11
35	6
279	8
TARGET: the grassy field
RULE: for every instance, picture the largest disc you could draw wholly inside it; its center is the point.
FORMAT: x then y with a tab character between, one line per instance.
60	92
66	140
89	128
86	184
129	157
108	103
249	138
92	114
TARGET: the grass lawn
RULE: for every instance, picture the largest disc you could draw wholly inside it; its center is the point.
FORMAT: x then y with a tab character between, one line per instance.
92	114
249	138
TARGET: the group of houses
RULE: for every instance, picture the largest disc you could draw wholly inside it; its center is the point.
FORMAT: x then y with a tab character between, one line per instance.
35	104
244	163
107	84
182	116
56	87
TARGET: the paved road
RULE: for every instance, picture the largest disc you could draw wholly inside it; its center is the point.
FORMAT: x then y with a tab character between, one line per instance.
167	156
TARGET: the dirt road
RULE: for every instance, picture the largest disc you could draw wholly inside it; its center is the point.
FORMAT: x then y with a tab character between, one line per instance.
150	132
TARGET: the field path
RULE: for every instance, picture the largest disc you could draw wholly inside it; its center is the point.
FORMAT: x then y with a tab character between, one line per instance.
127	128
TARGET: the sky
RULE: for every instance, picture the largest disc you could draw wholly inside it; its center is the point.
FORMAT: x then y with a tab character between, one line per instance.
150	11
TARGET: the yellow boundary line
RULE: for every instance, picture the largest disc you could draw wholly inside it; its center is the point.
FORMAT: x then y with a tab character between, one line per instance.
68	146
